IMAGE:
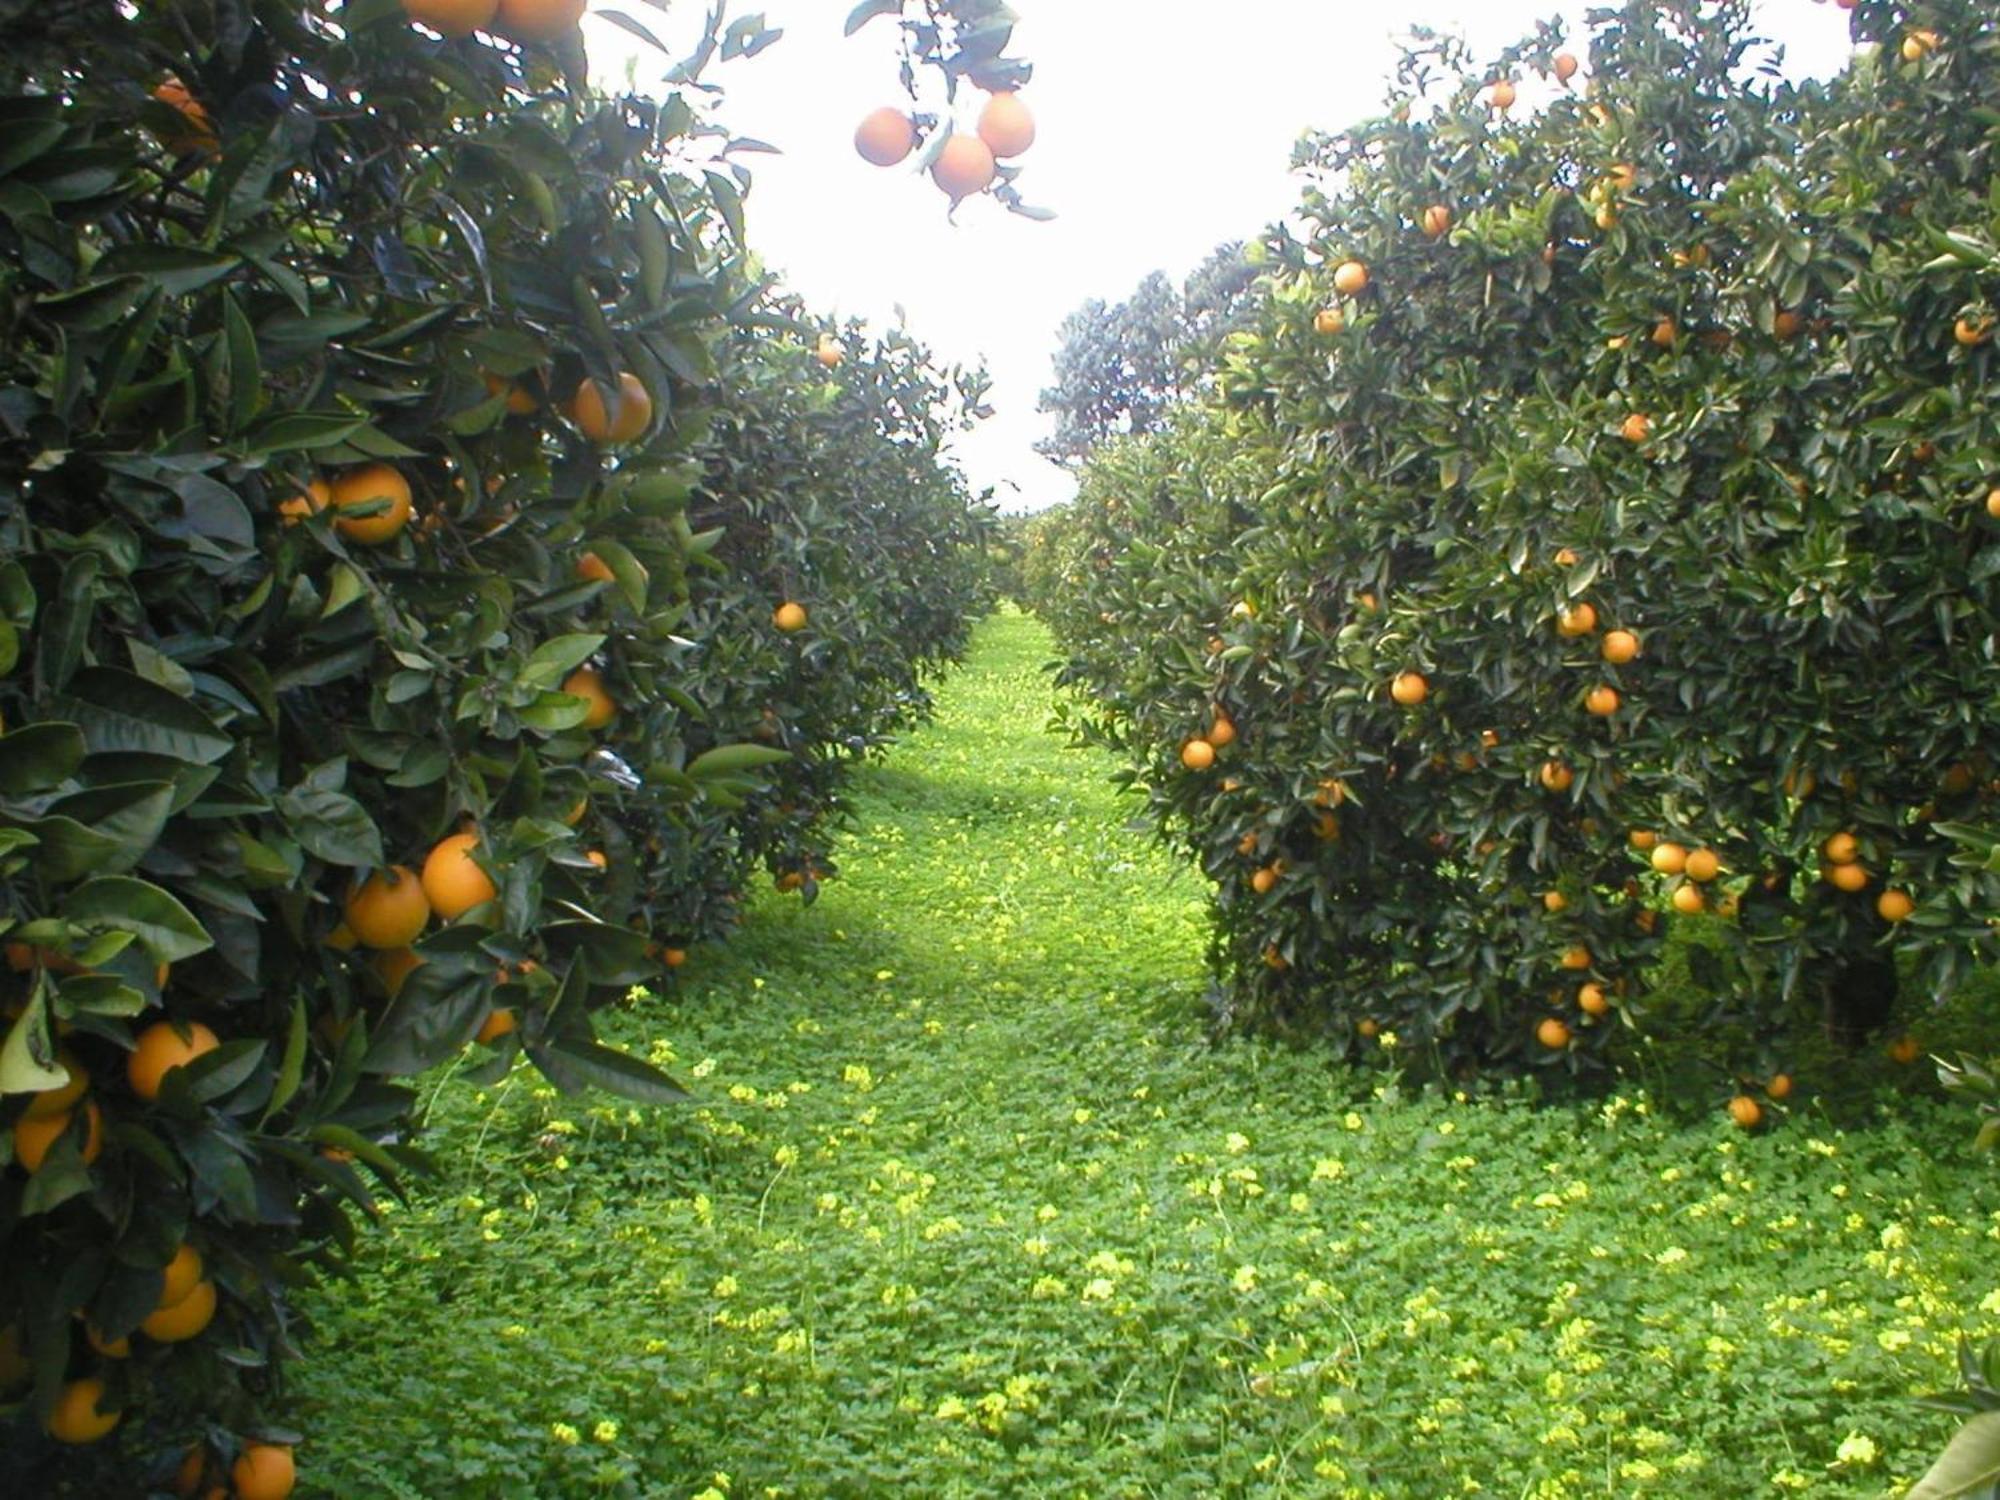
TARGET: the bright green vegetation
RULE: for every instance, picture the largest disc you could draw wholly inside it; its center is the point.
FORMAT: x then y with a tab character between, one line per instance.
969	1206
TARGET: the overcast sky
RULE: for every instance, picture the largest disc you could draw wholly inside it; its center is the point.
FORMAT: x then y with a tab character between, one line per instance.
1165	127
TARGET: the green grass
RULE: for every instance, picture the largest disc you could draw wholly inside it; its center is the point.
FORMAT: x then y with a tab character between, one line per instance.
970	1207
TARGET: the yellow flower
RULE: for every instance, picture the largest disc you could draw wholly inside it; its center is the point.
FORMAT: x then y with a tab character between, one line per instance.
726	1287
565	1434
605	1432
1856	1450
1237	1142
1245	1279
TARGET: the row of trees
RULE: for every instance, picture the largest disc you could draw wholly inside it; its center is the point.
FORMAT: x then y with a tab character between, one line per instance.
440	569
1593	531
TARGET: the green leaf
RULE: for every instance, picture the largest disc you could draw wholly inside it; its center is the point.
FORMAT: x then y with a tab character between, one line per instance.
292	1069
1970	1461
556	658
867	11
300	431
167	928
39	756
730	760
118	710
28	1057
574	1064
175	270
332	826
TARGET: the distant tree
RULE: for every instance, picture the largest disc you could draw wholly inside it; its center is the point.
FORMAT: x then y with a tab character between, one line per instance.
1122	366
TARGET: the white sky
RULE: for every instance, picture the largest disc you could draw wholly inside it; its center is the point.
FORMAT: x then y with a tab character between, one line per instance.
1164	127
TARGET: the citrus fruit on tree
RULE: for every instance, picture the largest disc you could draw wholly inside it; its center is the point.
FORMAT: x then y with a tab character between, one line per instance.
63	1097
453	881
588	684
789	616
1197	755
263	1471
177	1322
1746	1112
451	17
180	1275
1005	125
1409	689
964	166
885	136
33	1138
537	20
388	909
380	485
595	416
162	1047
79	1416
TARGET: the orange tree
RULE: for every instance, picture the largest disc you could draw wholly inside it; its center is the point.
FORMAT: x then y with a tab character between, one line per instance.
370	574
1596	532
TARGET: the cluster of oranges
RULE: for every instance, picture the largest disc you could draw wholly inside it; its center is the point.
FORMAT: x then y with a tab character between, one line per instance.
966	162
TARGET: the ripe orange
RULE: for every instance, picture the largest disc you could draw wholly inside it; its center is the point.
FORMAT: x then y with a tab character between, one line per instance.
537	20
1554	901
1197	755
1607	218
1669	858
1275	960
598	858
1972	332
1905	1050
1555	776
180	1321
1368	1026
1222	731
827	352
1350	278
315	497
388	909
521	401
673	958
1552	1034
1601	701
1642	839
1636	428
61	1099
120	1348
1502	96
588	684
453	882
592	412
1005	125
1919	44
1993	503
885	136
1326	827
199	131
161	1048
1576	619
451	17
1746	1112
593	569
789	616
363	486
32	1138
965	166
263	1471
1849	878
1841	849
78	1417
1702	865
395	965
1576	957
1566	557
1688	900
1894	906
1331	320
1786	324
1565	67
1592	1001
180	1275
1409	689
1664	333
1264	880
1780	1086
1436	220
1619	647
496	1025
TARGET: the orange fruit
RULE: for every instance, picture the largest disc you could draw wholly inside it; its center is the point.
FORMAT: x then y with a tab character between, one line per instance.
1326	827
1841	849
1350	278
791	880
1576	957
537	20
1566	557
78	1417
395	965
1554	901
496	1025
1576	619
388	909
521	401
1664	333
1601	701
789	616
885	136
1785	324
61	1099
673	958
199	132
1669	858
1552	1034
180	1275
1436	221
1222	731
591	409
1368	1026
828	352
593	569
1592	1001
1555	776
1849	878
1688	900
1619	647
1780	1086
1905	1050
1971	332
185	1319
451	17
1409	689
1565	66
1502	96
1607	218
161	1048
453	882
315	497
1894	906
965	166
120	1348
1006	126
1919	44
1331	320
588	684
1274	959
1746	1112
32	1138
1264	880
1702	865
1993	503
1636	428
1197	755
263	1471
363	486
1642	839
598	858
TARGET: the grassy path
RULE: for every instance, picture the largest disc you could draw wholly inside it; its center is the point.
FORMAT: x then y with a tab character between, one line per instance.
969	1208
